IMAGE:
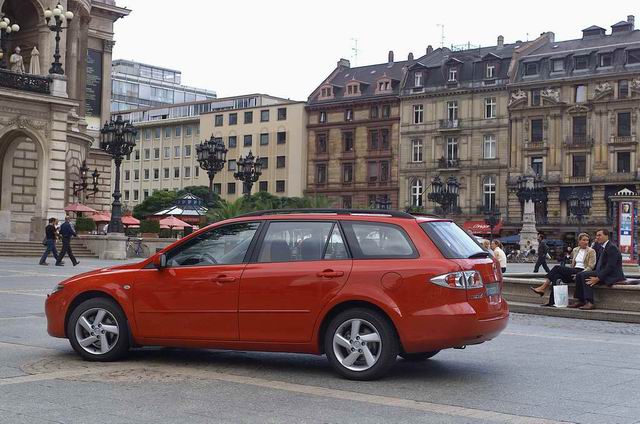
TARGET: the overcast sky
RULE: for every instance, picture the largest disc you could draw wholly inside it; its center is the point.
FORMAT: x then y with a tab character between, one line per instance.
286	48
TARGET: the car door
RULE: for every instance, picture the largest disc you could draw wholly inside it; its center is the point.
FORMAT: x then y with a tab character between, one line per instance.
196	295
297	268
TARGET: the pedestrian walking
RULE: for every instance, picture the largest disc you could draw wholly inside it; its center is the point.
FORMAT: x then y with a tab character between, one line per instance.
543	249
50	242
499	254
66	232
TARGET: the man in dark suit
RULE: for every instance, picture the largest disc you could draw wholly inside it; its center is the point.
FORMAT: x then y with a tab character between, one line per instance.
543	249
66	232
608	271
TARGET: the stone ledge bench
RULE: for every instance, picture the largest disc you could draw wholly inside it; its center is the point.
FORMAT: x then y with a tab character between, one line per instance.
620	302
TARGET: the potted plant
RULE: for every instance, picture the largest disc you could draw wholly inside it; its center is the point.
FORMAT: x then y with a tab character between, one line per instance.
149	228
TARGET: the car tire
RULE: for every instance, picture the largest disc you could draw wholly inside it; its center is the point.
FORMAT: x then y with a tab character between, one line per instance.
98	330
369	352
418	357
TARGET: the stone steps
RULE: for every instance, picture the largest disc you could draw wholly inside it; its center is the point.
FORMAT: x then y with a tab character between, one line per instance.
35	249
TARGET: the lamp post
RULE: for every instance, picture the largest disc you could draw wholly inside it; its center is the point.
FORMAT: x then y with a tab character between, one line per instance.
530	190
118	139
491	218
249	170
83	185
579	206
211	155
59	17
446	195
6	28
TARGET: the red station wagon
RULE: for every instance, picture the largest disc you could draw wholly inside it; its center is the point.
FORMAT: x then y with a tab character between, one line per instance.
360	286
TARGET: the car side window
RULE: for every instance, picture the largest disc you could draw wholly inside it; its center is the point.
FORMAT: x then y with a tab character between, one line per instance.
219	246
336	248
289	241
379	240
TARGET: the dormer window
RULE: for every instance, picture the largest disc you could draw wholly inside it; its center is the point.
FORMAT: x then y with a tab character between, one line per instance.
353	89
326	92
531	68
417	79
606	59
453	74
490	71
581	62
633	56
557	65
383	85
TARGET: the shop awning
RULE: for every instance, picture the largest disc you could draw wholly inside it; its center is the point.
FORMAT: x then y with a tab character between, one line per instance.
481	227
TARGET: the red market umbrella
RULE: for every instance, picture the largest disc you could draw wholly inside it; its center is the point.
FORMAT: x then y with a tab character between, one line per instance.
101	217
79	207
129	221
173	222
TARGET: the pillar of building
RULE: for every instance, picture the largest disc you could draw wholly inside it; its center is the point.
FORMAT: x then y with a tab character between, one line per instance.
82	65
599	205
71	59
553	204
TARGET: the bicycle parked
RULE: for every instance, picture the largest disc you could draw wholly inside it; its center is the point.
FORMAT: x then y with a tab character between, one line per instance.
136	249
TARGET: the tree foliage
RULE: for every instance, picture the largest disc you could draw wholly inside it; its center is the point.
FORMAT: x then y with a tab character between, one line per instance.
159	200
263	201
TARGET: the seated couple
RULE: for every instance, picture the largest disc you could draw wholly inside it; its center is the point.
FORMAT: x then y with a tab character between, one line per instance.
602	264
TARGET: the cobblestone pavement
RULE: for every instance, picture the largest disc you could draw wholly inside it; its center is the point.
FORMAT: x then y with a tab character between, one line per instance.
540	370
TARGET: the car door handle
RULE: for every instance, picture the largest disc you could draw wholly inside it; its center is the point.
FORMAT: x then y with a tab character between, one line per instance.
330	274
224	279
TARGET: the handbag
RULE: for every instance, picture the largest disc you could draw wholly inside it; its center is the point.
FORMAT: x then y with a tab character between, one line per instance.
44	242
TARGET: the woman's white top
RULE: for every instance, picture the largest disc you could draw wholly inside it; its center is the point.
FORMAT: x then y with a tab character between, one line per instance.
501	257
582	253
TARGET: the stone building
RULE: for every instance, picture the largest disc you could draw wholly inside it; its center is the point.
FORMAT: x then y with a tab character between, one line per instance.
165	156
454	123
574	108
49	124
353	128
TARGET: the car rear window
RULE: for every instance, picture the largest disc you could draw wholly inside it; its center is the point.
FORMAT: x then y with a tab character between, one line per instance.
453	241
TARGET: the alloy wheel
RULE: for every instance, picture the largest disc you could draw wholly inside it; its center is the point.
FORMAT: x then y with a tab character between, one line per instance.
357	344
97	331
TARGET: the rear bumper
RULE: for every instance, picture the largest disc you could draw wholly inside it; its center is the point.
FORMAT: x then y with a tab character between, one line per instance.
452	326
54	309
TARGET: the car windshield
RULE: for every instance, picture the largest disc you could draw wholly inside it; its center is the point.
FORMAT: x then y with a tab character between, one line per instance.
452	241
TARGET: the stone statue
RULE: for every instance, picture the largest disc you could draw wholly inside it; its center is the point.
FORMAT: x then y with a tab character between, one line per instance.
551	93
635	84
517	96
17	64
603	87
34	64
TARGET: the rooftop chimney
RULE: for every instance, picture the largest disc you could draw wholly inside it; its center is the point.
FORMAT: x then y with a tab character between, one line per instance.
344	63
410	57
632	20
551	36
390	56
429	49
500	42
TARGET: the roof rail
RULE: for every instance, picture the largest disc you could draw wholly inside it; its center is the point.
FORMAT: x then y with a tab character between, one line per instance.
395	214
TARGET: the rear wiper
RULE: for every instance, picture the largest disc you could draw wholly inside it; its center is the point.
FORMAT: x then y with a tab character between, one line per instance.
480	255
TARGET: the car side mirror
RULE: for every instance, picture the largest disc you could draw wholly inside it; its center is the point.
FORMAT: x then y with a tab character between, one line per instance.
160	261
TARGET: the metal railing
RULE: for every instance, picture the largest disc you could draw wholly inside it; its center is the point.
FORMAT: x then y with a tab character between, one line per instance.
444	163
579	141
450	124
25	82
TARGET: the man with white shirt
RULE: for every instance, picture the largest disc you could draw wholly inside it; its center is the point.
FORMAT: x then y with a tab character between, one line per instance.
608	271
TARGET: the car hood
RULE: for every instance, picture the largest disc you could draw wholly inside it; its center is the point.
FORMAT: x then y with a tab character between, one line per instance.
99	271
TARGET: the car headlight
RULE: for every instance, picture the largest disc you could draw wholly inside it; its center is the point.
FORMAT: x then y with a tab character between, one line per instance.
57	288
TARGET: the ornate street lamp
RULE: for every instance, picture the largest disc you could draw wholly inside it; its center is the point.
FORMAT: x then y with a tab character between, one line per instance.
531	188
579	206
118	139
445	196
491	218
6	28
211	155
83	185
249	170
59	17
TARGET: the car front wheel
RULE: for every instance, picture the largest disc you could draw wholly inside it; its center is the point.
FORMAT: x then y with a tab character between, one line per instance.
361	344
98	331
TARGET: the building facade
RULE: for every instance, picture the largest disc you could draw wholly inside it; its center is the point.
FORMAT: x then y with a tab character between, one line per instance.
574	108
353	128
49	123
137	85
454	123
165	156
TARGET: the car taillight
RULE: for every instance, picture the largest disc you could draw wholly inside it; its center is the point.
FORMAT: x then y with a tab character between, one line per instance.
459	280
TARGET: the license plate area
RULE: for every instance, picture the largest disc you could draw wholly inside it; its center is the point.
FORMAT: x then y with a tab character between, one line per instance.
493	292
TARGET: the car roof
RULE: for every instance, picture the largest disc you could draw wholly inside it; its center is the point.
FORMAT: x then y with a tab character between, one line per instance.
351	214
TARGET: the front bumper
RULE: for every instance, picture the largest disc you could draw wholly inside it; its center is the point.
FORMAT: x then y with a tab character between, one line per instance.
55	308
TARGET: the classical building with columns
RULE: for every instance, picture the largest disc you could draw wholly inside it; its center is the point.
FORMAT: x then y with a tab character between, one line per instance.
573	117
49	124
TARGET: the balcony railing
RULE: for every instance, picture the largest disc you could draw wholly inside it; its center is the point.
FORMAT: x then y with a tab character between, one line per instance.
623	139
444	163
25	82
579	141
450	124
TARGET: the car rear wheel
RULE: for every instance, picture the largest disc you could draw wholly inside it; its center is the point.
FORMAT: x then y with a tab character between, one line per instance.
361	344
418	357
98	331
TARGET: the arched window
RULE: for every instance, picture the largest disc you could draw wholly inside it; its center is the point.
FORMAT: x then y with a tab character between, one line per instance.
489	192
416	192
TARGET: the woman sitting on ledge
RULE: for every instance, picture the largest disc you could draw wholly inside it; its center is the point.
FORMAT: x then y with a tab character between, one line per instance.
583	258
